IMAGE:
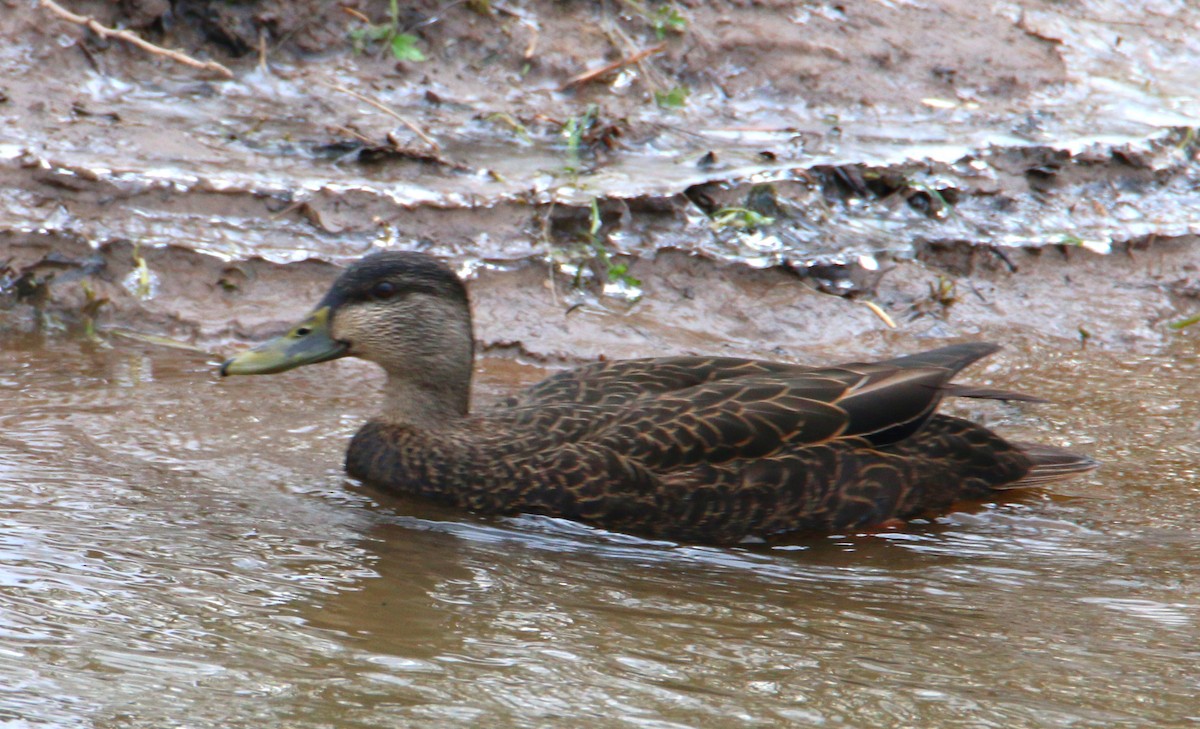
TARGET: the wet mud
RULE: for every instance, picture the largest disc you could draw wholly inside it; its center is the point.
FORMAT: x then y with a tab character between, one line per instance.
687	304
961	167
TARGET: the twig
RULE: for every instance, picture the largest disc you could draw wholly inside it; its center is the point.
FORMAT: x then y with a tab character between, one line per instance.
592	75
652	77
366	100
531	47
106	32
878	311
262	50
351	133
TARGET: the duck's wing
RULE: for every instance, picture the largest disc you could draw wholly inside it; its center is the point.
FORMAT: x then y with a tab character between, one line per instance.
954	358
757	417
618	382
894	398
705	406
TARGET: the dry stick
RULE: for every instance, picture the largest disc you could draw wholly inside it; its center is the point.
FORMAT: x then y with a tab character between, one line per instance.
128	37
365	141
878	311
587	76
366	100
262	50
652	78
531	47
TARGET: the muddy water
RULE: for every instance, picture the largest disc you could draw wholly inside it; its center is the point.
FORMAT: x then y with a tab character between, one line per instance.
179	550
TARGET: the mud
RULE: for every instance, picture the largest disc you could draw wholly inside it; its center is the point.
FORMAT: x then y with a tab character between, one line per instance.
689	304
1020	168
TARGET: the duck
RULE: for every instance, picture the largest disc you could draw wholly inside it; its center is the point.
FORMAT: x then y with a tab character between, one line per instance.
696	449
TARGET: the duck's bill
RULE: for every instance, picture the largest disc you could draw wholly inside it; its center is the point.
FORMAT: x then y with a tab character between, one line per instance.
306	343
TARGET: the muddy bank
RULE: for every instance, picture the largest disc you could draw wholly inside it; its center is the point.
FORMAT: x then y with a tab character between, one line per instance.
689	303
1026	167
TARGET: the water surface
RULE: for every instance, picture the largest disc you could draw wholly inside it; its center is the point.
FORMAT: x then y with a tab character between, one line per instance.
175	549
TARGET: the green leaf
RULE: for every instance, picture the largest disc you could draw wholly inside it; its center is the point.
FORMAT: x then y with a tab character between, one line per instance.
404	48
668	20
1185	323
676	98
378	32
742	218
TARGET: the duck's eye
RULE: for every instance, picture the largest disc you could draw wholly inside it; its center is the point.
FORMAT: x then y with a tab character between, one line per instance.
383	290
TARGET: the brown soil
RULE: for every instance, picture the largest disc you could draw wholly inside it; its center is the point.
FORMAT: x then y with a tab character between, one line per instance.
848	53
205	244
690	304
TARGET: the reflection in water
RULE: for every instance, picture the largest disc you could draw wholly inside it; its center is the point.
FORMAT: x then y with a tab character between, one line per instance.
174	548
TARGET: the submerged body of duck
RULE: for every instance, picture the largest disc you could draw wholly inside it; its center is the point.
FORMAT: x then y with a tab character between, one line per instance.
691	448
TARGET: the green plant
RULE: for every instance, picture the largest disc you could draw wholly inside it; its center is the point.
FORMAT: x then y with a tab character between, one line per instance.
403	45
508	120
668	19
1188	140
1185	323
404	48
674	98
142	279
664	19
574	130
90	310
740	218
944	292
599	256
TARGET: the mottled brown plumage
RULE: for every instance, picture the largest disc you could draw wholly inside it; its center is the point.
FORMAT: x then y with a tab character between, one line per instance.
690	448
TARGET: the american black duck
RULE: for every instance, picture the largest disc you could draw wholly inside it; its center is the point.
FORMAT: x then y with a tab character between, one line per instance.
704	449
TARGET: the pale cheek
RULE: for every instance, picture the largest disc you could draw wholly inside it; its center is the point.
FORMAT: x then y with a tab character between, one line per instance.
345	327
365	330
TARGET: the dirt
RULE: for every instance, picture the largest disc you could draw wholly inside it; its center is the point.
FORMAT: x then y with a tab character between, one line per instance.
859	53
969	169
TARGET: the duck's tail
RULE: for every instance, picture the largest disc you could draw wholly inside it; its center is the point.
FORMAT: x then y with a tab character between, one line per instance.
1051	464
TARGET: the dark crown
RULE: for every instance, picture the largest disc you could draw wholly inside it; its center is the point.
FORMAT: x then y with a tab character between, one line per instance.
406	271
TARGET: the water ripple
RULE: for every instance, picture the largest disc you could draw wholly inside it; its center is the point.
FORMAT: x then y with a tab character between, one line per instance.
159	566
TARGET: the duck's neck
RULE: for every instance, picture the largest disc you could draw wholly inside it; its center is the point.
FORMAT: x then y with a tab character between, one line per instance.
425	405
428	358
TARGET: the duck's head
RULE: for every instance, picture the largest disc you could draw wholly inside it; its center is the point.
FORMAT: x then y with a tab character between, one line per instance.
405	311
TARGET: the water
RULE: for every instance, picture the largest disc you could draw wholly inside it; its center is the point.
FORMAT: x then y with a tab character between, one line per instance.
177	550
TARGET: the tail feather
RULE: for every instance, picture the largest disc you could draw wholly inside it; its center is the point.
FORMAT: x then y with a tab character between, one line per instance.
1051	464
955	358
988	393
